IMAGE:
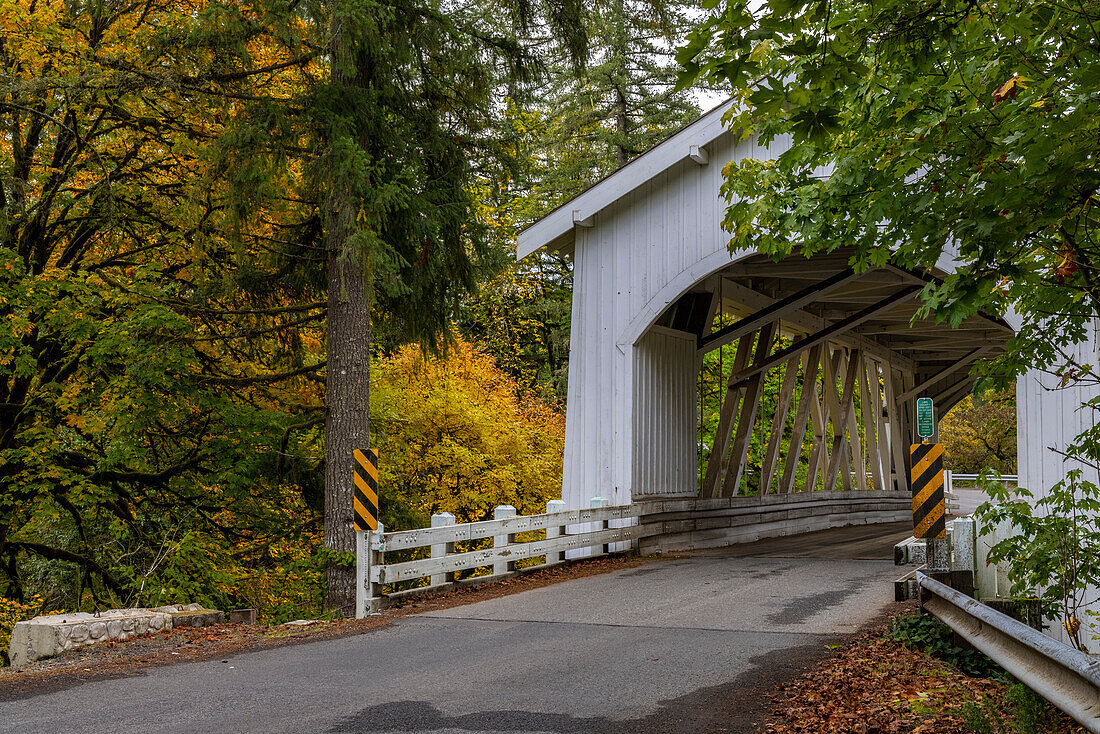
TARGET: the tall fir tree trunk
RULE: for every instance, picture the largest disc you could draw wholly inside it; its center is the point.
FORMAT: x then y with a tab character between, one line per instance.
347	403
622	120
347	374
621	125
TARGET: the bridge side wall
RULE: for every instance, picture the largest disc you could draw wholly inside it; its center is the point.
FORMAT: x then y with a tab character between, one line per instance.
640	254
1048	418
716	523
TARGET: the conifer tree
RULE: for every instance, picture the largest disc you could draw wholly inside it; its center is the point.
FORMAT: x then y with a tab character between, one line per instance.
626	100
402	120
577	128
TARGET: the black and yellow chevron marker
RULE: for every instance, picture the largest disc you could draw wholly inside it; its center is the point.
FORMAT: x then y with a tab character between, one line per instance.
927	483
366	489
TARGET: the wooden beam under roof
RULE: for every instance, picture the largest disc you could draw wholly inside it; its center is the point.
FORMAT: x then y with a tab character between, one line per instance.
774	311
829	332
943	373
950	397
926	276
807	323
941	345
859	291
794	267
926	329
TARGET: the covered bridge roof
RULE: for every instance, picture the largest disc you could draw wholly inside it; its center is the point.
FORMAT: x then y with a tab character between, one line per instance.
875	310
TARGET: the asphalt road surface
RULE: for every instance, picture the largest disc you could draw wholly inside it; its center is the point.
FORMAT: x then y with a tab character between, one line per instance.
969	499
682	644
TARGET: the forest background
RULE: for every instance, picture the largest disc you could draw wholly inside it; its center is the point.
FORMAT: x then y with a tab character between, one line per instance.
164	278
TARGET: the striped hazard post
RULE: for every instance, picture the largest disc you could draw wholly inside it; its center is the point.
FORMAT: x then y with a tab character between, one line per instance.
366	489
927	483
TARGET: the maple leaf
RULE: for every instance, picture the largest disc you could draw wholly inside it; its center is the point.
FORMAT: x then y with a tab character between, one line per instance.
1009	89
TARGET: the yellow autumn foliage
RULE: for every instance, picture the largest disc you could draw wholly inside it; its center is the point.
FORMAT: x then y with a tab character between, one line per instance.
455	434
981	434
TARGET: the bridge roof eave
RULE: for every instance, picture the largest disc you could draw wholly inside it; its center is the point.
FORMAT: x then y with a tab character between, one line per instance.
555	230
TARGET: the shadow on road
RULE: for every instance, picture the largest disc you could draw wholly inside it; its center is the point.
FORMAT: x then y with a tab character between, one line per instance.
732	707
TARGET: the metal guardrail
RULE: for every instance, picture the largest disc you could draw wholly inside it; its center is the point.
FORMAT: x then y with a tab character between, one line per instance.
1067	678
969	481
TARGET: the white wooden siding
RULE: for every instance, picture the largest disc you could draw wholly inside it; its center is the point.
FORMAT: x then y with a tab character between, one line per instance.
1048	420
664	446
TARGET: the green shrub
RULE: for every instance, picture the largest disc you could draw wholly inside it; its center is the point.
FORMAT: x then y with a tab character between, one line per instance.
926	633
1027	713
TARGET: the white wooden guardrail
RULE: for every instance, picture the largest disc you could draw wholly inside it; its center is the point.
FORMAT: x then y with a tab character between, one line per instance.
598	528
952	479
1067	678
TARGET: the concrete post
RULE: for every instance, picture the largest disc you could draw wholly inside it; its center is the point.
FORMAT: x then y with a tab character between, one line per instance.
937	554
442	520
501	512
985	574
598	502
962	544
555	531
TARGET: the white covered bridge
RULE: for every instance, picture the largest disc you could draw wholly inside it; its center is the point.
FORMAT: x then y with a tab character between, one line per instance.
812	374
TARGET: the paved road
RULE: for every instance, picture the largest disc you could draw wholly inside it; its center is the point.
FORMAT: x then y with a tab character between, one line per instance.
969	499
683	644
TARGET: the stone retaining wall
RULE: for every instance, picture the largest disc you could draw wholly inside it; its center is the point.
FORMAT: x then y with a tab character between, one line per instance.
50	635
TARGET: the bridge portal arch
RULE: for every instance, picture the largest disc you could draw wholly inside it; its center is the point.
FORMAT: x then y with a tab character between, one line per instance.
700	373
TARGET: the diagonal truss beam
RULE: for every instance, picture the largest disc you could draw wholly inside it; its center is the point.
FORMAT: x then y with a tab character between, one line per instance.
828	332
807	399
776	310
779	422
837	463
730	400
950	369
747	417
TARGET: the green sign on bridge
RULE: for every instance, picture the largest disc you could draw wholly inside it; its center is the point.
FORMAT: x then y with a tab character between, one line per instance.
926	424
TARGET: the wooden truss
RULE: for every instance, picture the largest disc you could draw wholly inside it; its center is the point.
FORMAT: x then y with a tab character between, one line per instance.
835	422
827	365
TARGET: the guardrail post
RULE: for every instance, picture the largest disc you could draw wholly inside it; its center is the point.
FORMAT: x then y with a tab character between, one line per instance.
439	550
555	531
362	572
368	553
962	544
598	502
951	502
501	512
